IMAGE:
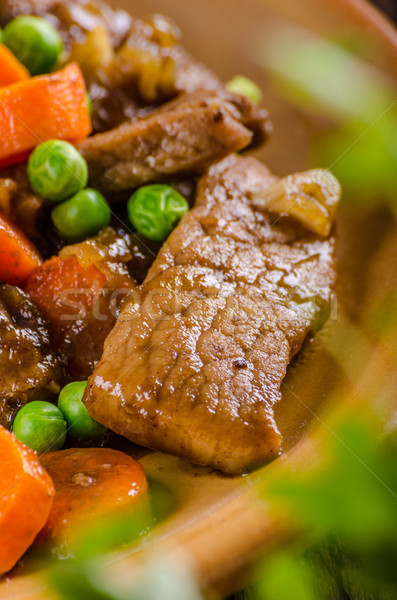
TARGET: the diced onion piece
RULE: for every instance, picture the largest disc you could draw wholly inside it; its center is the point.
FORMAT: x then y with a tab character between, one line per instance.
165	31
108	251
94	52
310	197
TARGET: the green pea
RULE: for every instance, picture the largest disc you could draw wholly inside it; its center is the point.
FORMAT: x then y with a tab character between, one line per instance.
246	87
154	210
41	426
80	424
35	42
82	215
57	170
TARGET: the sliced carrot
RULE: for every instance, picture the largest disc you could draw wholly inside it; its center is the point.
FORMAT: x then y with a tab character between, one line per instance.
90	484
26	497
11	70
18	256
43	108
65	290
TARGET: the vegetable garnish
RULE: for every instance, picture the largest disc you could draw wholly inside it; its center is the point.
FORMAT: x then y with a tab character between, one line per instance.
154	210
35	42
18	256
11	70
82	215
41	426
57	170
80	424
246	87
91	484
26	497
40	109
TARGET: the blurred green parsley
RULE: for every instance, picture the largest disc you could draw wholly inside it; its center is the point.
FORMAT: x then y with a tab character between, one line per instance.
323	76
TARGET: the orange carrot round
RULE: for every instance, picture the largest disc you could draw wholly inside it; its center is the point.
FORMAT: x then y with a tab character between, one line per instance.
90	484
18	256
11	70
42	108
26	497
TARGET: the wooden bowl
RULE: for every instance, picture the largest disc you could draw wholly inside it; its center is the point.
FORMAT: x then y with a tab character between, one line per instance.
217	525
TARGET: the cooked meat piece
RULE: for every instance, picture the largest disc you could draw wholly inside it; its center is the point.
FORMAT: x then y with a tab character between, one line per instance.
183	137
28	368
195	367
18	202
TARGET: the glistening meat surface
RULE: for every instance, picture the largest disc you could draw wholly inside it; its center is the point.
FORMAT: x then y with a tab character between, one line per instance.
194	364
29	369
183	137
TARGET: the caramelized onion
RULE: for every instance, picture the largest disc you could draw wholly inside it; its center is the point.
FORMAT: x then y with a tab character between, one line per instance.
94	52
310	197
108	251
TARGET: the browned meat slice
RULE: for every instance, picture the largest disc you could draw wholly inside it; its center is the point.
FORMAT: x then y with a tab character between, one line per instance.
183	137
28	368
194	367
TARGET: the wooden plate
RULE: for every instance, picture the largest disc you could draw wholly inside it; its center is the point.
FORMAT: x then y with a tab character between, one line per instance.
217	524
